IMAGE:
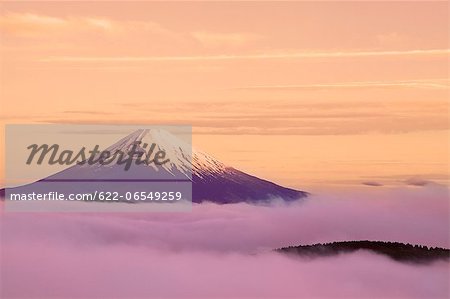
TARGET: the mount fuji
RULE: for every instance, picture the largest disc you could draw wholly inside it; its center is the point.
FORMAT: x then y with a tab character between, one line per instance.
211	179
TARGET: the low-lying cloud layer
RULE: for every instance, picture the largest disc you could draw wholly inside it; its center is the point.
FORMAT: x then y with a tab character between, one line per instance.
225	251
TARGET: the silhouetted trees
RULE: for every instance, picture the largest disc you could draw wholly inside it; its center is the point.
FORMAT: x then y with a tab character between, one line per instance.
395	250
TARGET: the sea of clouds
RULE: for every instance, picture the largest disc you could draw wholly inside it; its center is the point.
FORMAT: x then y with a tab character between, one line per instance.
225	251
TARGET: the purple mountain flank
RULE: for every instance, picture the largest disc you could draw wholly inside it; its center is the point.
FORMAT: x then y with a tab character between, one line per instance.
211	179
236	186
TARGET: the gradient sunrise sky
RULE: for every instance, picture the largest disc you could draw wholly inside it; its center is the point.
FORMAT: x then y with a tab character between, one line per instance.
306	94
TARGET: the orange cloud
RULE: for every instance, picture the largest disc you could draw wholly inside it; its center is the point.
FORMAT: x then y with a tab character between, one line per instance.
29	24
34	25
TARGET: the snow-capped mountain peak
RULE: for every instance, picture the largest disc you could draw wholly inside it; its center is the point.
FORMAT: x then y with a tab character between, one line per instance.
181	155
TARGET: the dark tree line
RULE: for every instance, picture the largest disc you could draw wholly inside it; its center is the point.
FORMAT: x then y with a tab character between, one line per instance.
395	250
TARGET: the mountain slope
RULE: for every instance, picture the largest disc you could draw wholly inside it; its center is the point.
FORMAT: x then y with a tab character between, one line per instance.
211	179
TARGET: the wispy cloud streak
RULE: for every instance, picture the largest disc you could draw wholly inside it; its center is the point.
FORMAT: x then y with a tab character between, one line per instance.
427	83
298	55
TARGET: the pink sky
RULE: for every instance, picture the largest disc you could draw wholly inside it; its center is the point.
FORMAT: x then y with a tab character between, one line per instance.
355	89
